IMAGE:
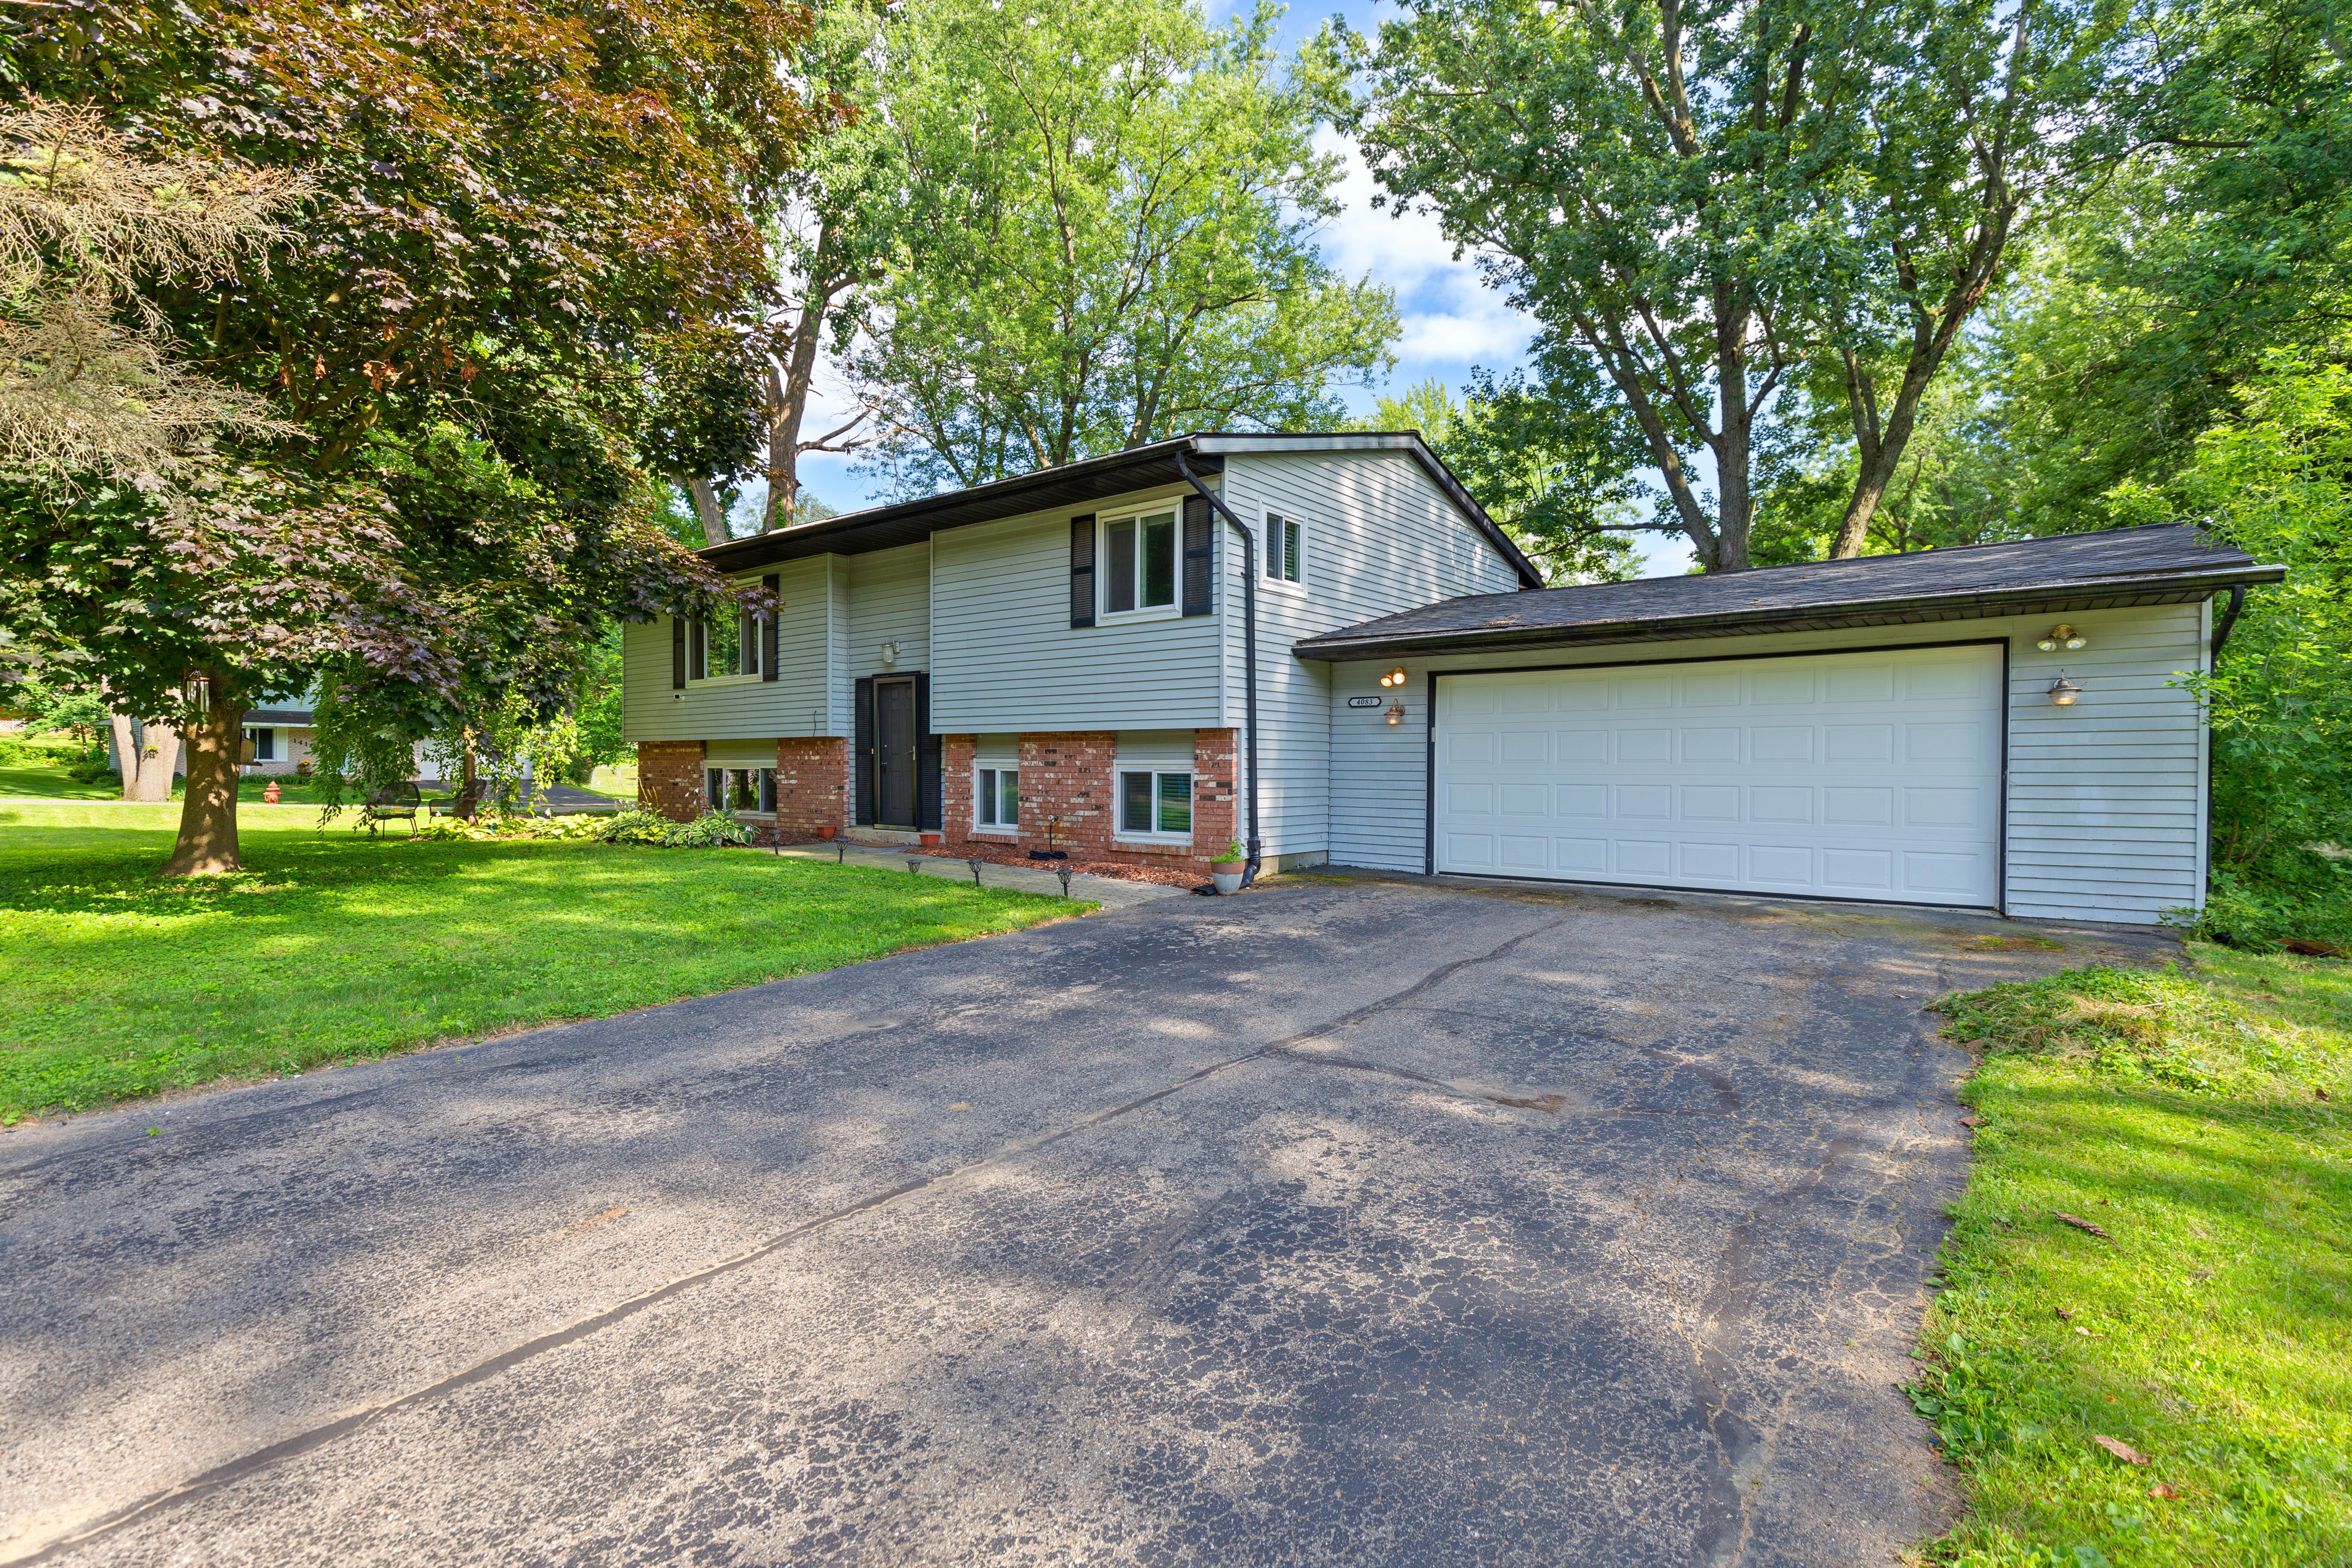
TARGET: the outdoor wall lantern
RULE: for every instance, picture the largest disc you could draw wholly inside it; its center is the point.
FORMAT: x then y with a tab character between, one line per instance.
2063	692
2062	636
1393	678
1396	712
889	655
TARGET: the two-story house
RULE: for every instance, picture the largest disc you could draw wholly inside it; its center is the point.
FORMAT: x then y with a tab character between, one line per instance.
1061	656
1064	660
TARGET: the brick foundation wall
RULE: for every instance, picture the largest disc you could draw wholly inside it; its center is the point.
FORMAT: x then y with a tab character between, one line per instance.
669	778
957	755
1216	793
812	784
1068	775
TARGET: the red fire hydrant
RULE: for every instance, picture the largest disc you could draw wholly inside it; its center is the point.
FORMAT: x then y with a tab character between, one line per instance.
269	793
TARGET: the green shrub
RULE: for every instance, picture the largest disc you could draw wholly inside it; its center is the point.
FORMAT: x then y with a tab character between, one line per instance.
2290	895
636	828
706	832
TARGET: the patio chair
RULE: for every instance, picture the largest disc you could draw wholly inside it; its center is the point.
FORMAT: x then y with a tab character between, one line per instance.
390	804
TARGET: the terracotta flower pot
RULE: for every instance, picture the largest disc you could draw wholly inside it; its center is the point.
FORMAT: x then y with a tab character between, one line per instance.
827	830
1227	874
932	841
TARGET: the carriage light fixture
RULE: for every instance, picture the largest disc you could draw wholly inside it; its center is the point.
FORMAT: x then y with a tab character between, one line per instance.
889	655
1396	712
2062	636
1393	678
2063	692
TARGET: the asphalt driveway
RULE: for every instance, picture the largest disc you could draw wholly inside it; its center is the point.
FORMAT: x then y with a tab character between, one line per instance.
1344	1222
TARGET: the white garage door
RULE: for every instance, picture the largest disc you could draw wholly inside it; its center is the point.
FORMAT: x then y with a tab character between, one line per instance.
1847	774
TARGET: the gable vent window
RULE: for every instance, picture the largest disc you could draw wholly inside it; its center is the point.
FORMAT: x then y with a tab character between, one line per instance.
1283	548
718	650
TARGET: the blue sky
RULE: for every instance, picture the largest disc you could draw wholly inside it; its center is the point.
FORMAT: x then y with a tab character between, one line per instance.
1452	320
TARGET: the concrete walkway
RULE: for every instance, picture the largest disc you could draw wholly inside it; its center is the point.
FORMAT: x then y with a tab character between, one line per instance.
1110	891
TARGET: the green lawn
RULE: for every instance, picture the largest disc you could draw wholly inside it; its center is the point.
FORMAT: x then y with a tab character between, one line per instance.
332	947
2199	1119
36	764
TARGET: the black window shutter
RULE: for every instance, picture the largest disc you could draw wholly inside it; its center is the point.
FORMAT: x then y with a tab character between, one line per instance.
928	759
865	749
774	584
1082	570
1200	582
677	653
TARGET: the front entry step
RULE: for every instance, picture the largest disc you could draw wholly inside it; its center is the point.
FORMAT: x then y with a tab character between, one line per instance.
882	835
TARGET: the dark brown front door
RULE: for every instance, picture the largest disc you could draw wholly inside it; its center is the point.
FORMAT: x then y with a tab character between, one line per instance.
895	760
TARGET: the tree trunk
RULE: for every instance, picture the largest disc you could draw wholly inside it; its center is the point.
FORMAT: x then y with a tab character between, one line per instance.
207	845
126	754
469	784
706	507
159	758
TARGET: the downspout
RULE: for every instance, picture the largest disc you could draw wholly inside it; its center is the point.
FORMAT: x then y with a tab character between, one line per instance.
2229	619
1249	648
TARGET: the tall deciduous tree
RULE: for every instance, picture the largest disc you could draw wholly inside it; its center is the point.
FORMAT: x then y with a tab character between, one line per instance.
1695	201
515	210
1110	238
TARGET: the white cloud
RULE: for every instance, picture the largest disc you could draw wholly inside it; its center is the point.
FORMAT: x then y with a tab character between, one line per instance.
1451	319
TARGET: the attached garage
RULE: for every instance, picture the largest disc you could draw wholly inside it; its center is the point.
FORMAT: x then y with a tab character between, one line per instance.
1868	774
2000	726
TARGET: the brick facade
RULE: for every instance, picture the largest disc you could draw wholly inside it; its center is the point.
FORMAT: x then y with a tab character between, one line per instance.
1216	793
669	778
1072	776
812	784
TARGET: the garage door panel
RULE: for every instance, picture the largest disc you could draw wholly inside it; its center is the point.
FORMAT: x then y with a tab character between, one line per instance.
1781	804
1848	807
1866	776
1644	857
1711	745
1710	802
1786	867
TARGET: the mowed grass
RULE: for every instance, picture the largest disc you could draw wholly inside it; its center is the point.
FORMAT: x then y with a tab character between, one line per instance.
332	947
2199	1119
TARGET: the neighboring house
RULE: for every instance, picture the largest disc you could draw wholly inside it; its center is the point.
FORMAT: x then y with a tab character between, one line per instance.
1061	657
280	734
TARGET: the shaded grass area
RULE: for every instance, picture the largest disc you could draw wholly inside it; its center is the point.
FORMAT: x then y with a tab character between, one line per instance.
331	946
2198	1120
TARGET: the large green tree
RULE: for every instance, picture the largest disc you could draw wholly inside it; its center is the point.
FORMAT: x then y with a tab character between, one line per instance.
1110	238
517	220
1699	202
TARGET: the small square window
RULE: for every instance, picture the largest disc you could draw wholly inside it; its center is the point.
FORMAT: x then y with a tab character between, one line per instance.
713	650
1139	563
741	789
1155	803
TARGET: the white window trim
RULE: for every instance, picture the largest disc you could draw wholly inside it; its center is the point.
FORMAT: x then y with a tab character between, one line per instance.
1172	610
1264	539
992	830
702	628
1120	832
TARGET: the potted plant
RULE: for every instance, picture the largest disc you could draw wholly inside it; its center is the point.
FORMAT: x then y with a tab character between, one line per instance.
1227	872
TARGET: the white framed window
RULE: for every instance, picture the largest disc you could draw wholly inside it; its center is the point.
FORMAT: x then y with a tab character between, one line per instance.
739	788
996	799
1155	804
714	652
1284	549
1139	561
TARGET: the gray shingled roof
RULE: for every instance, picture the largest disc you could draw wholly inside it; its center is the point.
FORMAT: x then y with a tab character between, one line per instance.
2157	565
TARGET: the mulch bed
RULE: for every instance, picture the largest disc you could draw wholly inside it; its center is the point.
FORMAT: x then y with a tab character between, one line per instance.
1000	855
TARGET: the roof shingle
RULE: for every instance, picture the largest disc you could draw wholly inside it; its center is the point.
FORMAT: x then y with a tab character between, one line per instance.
2153	565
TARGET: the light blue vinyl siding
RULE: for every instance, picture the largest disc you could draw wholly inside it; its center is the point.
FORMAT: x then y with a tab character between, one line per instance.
1379	537
2105	799
1006	658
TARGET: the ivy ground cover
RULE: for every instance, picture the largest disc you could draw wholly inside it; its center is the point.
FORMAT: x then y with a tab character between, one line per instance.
2143	1354
333	946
